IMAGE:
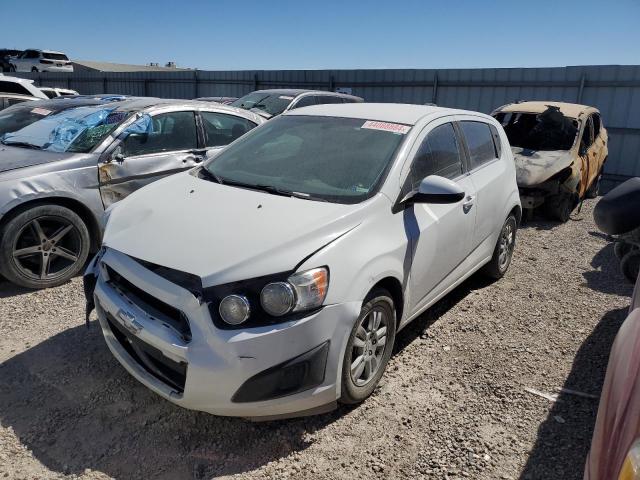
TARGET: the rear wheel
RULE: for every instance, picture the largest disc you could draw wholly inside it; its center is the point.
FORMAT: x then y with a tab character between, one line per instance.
12	68
369	347
34	70
43	247
503	252
630	265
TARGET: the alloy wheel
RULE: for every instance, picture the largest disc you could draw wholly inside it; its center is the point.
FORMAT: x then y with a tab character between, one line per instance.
507	243
47	248
369	346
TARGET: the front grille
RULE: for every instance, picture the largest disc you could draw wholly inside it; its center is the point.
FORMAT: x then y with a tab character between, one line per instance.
157	309
171	373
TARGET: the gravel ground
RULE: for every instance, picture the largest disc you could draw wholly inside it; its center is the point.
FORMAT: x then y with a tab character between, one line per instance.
452	403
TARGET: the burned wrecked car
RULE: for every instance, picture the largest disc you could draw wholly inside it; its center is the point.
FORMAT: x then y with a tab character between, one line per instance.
60	171
559	150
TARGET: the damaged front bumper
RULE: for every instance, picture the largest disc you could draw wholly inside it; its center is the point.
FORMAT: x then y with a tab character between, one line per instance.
163	335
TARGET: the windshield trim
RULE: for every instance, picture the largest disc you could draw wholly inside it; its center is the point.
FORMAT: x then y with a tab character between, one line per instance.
340	199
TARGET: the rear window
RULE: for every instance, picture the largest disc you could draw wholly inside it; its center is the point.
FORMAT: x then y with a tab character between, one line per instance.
55	56
13	87
50	93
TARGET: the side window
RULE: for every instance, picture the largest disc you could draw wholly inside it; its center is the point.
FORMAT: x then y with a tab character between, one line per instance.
587	134
596	125
479	141
13	87
168	132
439	154
326	99
305	101
221	129
497	144
14	101
32	54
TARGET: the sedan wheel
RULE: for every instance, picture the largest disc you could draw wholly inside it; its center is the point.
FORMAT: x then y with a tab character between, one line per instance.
44	247
369	347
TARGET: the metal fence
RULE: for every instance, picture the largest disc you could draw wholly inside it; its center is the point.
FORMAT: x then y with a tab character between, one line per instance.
615	90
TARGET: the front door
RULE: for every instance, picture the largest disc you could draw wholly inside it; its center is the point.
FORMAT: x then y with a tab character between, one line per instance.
153	147
439	234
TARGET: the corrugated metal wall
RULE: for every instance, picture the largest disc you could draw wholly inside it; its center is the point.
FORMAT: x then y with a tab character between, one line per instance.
615	90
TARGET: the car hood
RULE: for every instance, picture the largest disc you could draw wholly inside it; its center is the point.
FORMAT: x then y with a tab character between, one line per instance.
534	167
17	157
223	233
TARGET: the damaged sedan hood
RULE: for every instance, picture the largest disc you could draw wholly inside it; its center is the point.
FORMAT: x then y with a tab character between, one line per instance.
18	157
534	167
224	233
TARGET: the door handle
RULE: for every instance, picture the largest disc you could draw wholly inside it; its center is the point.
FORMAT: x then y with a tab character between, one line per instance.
193	159
466	206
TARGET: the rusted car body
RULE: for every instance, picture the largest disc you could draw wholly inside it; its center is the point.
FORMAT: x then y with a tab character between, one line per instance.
99	154
559	150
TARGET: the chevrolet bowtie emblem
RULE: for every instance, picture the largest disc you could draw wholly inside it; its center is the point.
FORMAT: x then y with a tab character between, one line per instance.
128	321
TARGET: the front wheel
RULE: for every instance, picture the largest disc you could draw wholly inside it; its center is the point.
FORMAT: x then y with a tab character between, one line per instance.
43	247
34	70
369	347
503	252
12	68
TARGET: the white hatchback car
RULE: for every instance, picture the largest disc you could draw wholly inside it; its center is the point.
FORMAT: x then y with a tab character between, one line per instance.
40	61
272	280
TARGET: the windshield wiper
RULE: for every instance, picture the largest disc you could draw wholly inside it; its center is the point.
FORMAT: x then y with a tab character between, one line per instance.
22	144
211	176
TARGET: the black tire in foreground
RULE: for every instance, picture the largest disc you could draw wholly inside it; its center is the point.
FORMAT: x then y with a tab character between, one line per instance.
369	347
43	247
503	253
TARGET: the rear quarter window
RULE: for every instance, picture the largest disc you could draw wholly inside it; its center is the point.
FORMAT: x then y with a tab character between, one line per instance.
480	142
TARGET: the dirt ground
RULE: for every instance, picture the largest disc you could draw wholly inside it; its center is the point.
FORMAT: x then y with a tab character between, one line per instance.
452	403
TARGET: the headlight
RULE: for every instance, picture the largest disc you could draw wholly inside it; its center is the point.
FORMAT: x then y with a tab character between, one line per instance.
631	468
301	291
234	309
277	298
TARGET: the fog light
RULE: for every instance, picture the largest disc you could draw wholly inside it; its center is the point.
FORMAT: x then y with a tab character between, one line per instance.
277	298
234	309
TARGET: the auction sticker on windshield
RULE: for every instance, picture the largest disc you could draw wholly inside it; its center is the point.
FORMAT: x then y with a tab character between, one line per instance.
386	126
41	111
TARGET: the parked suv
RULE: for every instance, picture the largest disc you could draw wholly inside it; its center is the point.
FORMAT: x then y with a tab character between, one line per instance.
270	103
59	173
40	61
560	150
311	242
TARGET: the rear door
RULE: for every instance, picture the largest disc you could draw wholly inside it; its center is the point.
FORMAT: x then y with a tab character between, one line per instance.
153	147
220	129
490	177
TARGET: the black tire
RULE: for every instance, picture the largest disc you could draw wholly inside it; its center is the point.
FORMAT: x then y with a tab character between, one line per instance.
34	70
559	207
621	249
43	247
630	265
12	68
378	301
503	252
594	189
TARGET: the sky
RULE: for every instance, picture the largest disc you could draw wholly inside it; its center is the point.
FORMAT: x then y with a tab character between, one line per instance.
328	34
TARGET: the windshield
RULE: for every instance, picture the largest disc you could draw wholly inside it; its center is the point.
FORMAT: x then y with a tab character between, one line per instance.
549	130
76	129
271	103
339	160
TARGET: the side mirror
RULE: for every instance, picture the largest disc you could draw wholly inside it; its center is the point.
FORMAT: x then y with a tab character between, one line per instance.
435	189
